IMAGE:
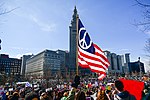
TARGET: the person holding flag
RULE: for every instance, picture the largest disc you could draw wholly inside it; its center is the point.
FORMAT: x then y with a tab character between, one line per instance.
120	94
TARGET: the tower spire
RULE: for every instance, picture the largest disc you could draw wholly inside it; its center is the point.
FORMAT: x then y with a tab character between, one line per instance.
75	13
75	10
73	40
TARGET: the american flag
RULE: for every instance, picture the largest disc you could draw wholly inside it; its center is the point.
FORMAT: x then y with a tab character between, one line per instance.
89	54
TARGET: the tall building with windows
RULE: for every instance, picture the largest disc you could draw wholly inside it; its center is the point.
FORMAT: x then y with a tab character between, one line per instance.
23	64
47	63
9	66
136	67
72	47
72	41
127	61
108	55
116	63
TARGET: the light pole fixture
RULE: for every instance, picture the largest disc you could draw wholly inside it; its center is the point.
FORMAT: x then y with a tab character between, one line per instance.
0	43
140	67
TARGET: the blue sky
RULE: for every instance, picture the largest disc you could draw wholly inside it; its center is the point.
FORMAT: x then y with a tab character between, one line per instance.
37	25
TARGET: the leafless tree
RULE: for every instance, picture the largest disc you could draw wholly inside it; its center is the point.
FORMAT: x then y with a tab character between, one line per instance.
5	11
147	49
145	24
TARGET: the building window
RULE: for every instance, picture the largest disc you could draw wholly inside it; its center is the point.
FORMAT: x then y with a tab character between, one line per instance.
73	30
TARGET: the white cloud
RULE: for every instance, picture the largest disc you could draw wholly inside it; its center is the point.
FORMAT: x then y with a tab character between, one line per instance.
43	26
31	15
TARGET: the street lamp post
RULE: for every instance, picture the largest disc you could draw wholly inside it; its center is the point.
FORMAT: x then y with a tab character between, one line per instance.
0	43
140	68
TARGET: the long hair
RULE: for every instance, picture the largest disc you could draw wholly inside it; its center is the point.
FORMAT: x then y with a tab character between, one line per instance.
102	95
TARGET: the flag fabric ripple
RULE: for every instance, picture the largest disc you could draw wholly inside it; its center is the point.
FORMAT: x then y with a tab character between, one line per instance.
134	87
89	54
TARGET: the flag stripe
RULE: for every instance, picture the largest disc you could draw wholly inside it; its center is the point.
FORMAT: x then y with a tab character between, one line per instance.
93	68
101	76
100	53
88	63
82	63
98	56
92	59
97	69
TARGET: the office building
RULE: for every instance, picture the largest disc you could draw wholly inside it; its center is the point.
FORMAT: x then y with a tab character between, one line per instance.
23	64
9	66
117	65
48	63
136	68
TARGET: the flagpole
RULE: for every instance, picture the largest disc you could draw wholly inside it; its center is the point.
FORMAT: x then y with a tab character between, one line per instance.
77	70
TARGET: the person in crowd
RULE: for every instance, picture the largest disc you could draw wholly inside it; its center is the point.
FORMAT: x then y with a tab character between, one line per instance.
22	95
65	95
101	95
15	96
71	95
88	95
9	97
51	94
146	94
59	95
108	93
80	96
44	96
32	96
120	94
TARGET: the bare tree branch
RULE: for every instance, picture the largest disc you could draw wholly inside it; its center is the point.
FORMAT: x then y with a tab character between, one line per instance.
5	12
142	4
145	24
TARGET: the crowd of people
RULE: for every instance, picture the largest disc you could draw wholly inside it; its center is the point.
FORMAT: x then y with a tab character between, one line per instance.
78	89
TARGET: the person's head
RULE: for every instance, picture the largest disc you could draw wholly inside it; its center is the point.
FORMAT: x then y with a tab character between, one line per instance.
9	97
108	92
80	96
15	96
44	95
119	85
51	93
88	93
145	91
32	96
66	93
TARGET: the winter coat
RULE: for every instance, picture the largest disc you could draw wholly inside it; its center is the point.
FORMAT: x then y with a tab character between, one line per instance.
125	95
